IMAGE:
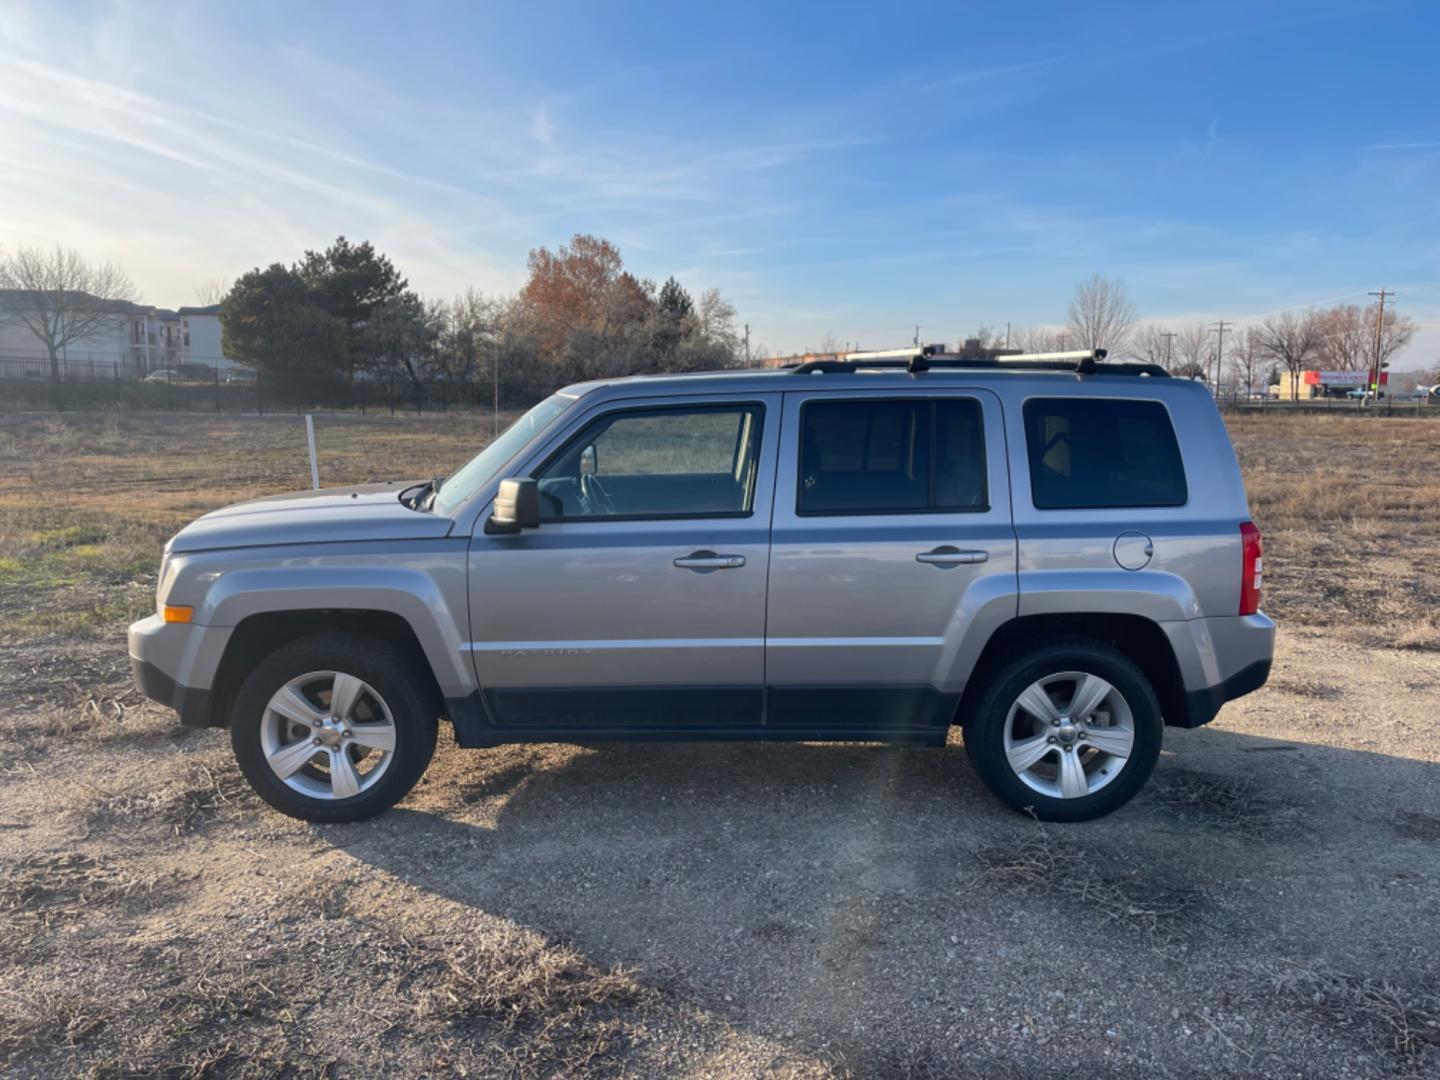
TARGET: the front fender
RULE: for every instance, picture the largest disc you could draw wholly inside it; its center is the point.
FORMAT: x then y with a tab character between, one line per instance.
413	595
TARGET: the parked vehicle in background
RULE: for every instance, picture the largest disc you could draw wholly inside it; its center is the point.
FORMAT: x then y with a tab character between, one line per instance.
183	373
194	371
1053	553
240	376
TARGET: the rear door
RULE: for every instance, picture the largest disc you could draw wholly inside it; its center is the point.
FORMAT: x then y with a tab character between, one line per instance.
891	540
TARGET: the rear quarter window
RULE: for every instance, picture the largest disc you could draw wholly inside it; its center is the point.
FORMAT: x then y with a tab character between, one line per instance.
1093	453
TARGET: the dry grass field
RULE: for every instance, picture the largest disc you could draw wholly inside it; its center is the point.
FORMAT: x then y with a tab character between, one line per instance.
1268	907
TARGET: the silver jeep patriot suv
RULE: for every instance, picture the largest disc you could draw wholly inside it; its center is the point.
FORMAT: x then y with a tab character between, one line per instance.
1052	553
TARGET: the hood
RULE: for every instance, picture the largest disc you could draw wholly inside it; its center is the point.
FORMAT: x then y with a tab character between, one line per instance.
332	515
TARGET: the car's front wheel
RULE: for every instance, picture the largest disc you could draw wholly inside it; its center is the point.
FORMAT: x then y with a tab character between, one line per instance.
334	728
1070	730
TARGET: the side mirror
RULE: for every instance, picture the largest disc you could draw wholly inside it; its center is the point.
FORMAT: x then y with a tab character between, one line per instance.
517	506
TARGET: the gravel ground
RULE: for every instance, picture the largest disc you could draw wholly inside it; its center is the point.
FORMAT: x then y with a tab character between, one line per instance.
1267	907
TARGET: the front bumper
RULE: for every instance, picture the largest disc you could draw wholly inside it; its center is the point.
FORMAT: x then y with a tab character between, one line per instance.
175	664
193	705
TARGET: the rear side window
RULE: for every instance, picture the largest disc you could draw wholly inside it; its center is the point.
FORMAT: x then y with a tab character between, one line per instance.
892	457
1089	453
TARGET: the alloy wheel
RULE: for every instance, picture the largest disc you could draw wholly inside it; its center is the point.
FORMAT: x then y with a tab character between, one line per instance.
1068	735
328	735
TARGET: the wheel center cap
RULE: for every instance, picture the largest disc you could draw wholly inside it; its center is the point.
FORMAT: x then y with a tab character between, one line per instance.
329	735
1067	731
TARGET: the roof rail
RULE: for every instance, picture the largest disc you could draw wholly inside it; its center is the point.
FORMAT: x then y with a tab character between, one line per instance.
913	360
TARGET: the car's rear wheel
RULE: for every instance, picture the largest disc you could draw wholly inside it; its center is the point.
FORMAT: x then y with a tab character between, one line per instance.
1070	730
334	728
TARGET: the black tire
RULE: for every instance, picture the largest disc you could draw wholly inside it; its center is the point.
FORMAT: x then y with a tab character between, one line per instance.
411	698
985	728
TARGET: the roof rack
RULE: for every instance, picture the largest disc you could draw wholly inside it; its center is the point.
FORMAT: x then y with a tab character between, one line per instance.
915	360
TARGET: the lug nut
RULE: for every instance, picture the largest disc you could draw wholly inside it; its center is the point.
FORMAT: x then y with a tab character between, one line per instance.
346	732
1051	739
315	741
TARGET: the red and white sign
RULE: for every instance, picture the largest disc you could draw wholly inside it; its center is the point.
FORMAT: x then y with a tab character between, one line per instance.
1341	378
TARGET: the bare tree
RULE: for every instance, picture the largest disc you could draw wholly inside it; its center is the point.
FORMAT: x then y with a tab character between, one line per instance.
1246	357
715	319
1291	340
1153	345
209	293
1344	344
61	298
1193	348
1348	337
1101	315
1034	339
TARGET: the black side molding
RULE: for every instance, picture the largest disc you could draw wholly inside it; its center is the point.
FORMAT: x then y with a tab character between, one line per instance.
1201	706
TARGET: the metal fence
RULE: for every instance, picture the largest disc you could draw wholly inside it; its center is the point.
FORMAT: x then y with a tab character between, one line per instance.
28	384
1389	405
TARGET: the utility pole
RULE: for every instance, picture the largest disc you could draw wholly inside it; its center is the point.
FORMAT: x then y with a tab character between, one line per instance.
917	334
1219	351
1169	336
747	344
1007	333
1374	370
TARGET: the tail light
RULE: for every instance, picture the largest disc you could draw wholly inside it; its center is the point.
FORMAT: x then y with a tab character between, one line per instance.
1250	564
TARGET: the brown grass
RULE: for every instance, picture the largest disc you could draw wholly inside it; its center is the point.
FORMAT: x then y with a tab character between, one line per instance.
1350	509
1399	1020
1046	863
1237	805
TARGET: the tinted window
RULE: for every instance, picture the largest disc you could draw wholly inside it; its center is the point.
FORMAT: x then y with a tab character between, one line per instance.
656	463
873	457
1091	452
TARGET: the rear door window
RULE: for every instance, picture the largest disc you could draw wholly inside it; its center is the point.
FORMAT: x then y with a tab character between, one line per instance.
1092	453
892	457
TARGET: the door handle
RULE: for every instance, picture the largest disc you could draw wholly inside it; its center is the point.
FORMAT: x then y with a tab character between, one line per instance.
708	560
946	555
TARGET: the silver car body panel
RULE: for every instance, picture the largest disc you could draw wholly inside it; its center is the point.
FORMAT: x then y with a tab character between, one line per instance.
345	515
853	616
565	613
586	625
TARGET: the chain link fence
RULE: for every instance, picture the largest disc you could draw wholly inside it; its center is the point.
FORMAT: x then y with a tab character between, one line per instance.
28	384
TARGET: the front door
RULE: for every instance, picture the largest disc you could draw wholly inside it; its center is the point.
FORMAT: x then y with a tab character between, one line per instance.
638	605
892	556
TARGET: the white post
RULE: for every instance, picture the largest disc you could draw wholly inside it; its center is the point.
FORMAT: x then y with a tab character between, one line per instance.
310	438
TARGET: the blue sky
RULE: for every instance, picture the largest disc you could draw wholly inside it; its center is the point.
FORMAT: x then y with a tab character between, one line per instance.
850	170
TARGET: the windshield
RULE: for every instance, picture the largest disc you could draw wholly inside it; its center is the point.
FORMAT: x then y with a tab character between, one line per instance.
481	469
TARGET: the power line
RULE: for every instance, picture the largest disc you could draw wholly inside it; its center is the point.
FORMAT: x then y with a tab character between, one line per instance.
1374	371
1219	348
1169	336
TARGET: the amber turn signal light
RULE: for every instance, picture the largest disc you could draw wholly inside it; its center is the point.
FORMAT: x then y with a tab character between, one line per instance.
175	613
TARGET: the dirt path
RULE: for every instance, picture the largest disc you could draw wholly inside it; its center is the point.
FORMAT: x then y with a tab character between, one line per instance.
1268	907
